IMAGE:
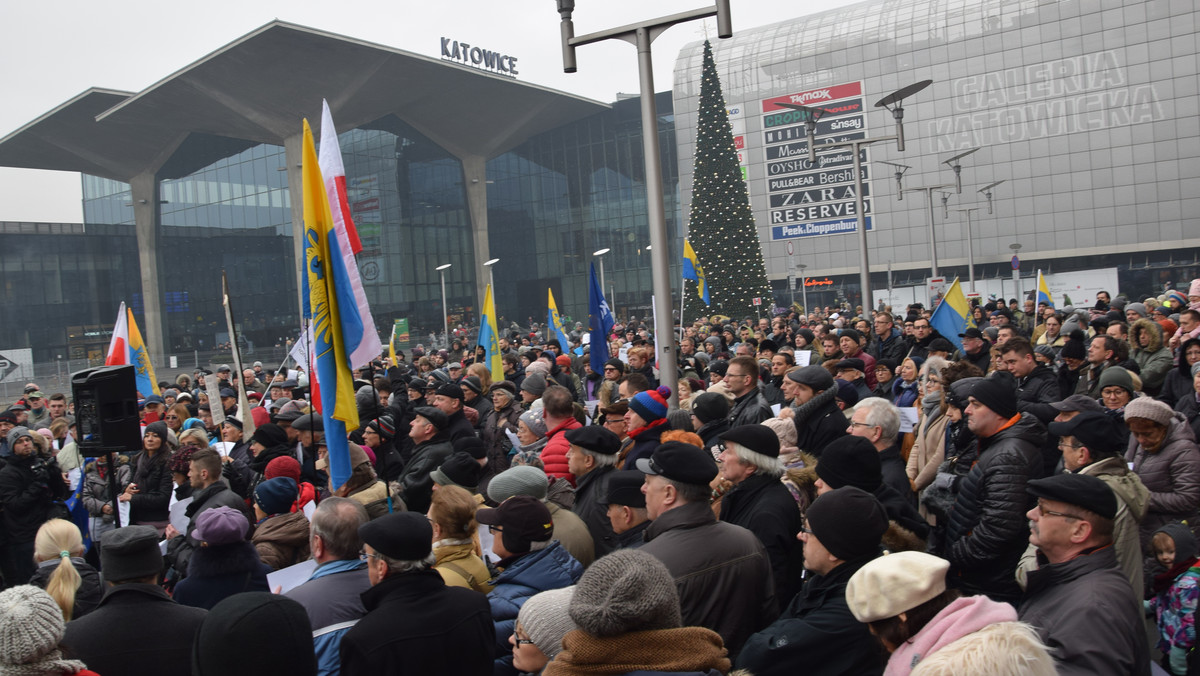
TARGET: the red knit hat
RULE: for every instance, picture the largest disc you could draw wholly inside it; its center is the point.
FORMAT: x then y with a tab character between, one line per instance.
284	466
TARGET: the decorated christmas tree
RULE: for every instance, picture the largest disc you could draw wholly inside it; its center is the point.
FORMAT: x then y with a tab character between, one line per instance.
721	227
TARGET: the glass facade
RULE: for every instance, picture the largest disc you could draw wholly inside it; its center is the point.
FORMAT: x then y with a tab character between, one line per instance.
1085	111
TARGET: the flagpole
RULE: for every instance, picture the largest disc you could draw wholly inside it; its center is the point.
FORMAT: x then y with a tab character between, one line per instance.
682	288
243	400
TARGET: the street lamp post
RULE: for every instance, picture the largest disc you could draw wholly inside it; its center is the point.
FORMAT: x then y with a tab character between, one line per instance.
600	259
933	262
1016	249
441	269
492	275
892	102
804	288
641	35
970	248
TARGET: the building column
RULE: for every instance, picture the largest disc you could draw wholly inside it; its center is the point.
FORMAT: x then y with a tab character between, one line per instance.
146	216
293	153
475	180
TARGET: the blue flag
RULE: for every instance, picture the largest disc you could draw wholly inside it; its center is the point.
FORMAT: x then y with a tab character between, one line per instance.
953	315
600	322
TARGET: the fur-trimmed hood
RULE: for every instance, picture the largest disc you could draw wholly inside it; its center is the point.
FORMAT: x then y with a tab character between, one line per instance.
1155	332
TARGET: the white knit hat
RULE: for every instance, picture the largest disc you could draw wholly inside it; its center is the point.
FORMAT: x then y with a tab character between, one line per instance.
545	618
894	584
31	625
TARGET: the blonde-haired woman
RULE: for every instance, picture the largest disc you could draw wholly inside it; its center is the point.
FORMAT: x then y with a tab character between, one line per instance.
480	371
71	582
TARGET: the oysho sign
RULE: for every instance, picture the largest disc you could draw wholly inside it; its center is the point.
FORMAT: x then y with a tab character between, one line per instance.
485	59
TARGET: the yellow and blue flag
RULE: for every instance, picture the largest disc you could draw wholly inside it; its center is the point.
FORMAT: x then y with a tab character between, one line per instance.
693	270
140	358
952	316
556	323
329	302
1043	291
489	336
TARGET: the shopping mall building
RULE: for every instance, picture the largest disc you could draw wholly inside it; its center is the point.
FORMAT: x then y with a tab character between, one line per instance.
1085	111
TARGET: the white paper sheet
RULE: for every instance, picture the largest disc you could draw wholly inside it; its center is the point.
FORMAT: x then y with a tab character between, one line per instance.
73	478
908	418
223	447
123	513
775	409
291	577
179	517
512	436
803	357
309	508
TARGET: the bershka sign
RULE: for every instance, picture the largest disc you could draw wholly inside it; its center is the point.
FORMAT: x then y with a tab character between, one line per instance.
484	59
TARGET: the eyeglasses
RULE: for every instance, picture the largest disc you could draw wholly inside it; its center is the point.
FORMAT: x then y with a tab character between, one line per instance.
521	641
170	417
615	421
1063	444
495	529
1046	512
806	530
858	424
1112	391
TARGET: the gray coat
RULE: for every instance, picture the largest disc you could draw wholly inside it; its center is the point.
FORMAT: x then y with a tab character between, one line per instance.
1173	476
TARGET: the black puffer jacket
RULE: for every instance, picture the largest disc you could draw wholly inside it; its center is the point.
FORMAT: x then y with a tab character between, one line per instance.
819	421
988	530
1035	393
29	488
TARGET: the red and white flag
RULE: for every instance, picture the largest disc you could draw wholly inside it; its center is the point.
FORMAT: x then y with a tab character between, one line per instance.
118	347
333	173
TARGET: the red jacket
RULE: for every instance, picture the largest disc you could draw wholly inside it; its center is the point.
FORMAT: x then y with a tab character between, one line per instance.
554	454
308	493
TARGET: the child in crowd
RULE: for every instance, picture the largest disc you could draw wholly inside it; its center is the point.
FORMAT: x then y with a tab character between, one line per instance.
1174	594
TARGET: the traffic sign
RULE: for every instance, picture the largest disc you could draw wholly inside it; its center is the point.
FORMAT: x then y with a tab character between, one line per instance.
1016	263
758	300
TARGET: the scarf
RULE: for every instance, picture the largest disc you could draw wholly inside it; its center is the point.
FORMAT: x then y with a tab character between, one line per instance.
633	434
682	649
802	412
1163	581
931	404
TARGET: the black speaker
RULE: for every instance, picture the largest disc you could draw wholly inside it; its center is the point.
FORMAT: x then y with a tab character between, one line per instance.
106	410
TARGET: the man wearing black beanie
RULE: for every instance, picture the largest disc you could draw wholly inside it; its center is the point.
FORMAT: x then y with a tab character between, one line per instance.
987	528
817	632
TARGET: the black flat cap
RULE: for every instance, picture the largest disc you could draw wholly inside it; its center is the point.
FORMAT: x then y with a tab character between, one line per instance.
405	536
757	438
1081	490
971	333
434	416
594	438
852	363
680	462
625	489
1092	429
1078	402
228	393
450	390
309	422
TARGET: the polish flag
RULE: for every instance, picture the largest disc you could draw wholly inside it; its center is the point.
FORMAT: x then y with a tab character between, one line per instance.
118	347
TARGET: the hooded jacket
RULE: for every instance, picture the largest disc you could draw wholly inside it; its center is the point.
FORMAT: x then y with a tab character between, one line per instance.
1154	360
1172	474
1177	386
535	572
1006	648
964	616
282	540
1086	613
987	530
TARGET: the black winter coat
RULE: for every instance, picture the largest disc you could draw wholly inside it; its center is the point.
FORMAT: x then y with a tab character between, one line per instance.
644	444
29	488
988	530
415	483
87	597
137	630
216	573
750	409
153	479
710	433
416	625
763	505
590	489
459	427
1035	393
819	422
816	635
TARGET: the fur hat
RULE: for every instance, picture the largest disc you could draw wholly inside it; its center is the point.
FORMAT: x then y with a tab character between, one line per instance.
625	592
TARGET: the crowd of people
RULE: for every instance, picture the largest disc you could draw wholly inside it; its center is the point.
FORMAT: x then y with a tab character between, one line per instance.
842	491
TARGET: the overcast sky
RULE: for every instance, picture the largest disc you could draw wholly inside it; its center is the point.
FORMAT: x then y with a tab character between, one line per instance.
52	51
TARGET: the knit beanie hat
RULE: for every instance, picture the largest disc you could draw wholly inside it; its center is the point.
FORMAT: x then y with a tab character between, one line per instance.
283	466
710	406
545	617
849	522
366	396
1139	308
473	383
998	392
518	480
158	429
1073	349
254	633
1150	409
534	383
460	469
894	584
384	426
269	435
852	334
1185	541
275	496
31	626
626	591
534	421
1116	376
651	405
809	336
850	461
18	432
816	378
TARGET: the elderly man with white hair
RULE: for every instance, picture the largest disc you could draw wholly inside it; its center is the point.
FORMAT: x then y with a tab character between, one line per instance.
878	421
760	503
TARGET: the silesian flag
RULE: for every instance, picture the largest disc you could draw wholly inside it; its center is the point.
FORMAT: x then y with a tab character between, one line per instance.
556	323
952	316
1043	292
127	348
693	270
489	336
600	322
329	302
333	171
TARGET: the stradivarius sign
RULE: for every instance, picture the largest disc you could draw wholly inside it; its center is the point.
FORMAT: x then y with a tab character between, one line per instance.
474	55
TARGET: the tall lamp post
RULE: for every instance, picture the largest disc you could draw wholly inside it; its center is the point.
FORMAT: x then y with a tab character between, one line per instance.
804	288
1016	249
441	269
892	103
641	35
492	276
599	255
970	247
928	190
